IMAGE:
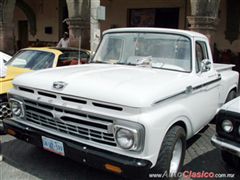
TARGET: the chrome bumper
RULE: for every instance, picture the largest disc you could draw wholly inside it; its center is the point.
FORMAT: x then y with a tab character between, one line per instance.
226	145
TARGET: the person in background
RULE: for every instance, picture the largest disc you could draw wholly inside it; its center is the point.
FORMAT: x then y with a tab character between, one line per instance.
64	41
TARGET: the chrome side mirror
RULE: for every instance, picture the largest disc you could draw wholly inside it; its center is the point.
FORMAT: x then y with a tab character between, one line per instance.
205	65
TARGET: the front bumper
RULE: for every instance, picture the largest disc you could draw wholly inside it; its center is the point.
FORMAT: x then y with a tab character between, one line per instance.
95	157
226	145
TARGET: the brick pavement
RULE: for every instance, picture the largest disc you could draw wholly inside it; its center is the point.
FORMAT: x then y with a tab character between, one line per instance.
24	161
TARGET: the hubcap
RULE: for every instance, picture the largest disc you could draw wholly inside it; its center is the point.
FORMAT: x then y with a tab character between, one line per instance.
5	111
176	157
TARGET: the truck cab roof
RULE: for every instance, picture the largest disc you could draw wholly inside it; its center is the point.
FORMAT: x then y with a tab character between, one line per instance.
156	30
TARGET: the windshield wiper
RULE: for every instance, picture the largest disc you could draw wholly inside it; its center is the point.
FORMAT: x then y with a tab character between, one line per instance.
128	64
100	62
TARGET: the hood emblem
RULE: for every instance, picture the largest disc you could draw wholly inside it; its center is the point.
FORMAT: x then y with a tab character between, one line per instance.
59	85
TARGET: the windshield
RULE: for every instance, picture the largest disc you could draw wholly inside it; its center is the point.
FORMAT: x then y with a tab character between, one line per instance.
32	59
156	50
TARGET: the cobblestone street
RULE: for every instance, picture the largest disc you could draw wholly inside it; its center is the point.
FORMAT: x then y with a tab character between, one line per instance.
24	161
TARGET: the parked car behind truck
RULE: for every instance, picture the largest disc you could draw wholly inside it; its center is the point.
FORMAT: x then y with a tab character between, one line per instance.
146	91
228	133
30	59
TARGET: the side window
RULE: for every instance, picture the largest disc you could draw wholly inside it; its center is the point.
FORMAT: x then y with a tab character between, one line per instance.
201	53
72	58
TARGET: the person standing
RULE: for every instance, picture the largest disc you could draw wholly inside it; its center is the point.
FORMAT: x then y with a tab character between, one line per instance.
64	41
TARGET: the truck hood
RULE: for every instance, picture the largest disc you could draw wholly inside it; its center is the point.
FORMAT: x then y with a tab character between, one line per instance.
117	84
12	72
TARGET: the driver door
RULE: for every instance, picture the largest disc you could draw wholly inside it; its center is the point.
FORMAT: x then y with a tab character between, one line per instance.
207	90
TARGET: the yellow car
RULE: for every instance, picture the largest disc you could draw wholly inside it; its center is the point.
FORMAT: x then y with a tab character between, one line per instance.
30	59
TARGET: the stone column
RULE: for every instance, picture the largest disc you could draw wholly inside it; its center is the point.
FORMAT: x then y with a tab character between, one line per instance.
6	26
95	25
204	17
79	23
7	38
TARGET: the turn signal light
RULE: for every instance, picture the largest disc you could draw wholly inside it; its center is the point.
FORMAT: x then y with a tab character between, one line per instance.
113	168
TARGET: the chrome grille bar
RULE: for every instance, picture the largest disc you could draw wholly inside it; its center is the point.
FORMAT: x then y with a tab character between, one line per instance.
78	124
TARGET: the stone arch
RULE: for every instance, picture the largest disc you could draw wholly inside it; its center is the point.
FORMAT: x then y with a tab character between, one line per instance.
28	11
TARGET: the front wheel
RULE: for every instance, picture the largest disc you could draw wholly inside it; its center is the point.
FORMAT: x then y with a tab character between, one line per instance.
5	111
172	153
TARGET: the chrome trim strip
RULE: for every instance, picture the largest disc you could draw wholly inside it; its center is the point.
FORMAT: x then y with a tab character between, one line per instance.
207	83
193	88
63	135
224	144
172	96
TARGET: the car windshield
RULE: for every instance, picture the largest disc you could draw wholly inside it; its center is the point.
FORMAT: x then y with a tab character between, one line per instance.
32	59
155	50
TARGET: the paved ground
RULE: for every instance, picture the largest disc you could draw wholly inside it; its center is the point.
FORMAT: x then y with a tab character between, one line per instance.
26	162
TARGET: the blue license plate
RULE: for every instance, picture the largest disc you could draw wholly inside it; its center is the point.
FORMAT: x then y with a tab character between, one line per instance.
53	145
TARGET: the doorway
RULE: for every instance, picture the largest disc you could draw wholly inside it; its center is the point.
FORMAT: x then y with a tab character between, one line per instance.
22	34
154	17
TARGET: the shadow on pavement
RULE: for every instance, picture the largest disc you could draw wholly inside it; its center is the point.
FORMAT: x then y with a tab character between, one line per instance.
48	166
211	162
192	140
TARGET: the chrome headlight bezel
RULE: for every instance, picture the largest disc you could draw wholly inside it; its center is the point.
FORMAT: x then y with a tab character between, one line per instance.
136	133
227	126
17	113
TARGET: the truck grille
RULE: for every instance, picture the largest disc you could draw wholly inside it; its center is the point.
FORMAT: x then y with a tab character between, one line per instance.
78	124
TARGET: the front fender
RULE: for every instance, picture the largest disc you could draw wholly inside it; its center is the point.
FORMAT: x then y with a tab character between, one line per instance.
158	121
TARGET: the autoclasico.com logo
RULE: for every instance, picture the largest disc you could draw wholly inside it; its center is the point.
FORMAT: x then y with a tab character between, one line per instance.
192	174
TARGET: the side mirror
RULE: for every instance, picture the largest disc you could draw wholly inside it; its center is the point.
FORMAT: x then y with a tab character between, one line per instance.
205	65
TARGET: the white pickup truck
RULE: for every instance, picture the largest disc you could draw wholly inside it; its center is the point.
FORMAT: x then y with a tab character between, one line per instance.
131	110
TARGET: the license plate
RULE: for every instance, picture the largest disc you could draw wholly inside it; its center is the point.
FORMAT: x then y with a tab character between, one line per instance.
53	145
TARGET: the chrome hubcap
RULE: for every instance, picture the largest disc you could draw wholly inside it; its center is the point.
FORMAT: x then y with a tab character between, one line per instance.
5	111
176	157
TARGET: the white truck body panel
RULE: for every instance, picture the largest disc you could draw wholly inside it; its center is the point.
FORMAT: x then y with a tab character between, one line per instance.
154	98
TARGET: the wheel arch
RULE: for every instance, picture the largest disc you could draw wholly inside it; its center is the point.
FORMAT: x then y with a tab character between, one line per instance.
233	88
185	123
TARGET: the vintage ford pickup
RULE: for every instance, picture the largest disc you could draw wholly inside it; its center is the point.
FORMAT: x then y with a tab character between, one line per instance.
227	138
131	110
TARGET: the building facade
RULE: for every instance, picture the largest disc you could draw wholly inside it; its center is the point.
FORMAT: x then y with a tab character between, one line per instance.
29	22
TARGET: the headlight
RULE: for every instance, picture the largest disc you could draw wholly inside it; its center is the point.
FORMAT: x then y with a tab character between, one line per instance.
129	136
125	138
16	107
227	126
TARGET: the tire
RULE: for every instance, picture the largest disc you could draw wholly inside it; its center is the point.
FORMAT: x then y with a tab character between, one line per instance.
5	112
230	159
231	96
175	139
